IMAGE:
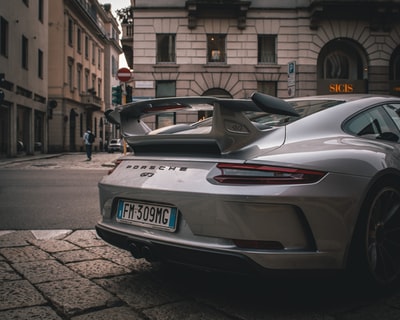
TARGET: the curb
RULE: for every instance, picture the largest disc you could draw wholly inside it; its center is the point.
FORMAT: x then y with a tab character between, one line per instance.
4	162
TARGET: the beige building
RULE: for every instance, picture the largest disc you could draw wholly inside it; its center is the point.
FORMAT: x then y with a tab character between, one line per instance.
23	77
281	47
58	62
111	67
83	54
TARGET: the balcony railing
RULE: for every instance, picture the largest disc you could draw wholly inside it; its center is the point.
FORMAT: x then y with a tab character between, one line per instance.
91	100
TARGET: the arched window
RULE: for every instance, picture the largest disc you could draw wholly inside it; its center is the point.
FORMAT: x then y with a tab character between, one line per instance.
396	68
217	92
395	65
394	73
342	59
342	68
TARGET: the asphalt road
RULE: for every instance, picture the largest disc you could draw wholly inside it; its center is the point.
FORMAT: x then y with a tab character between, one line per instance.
49	199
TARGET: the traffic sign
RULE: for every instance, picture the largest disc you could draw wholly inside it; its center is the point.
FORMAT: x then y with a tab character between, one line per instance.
124	74
292	79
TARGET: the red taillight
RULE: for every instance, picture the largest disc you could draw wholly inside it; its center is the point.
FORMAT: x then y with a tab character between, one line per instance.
232	173
117	163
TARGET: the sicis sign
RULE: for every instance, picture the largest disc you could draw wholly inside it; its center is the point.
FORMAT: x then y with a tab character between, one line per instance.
335	86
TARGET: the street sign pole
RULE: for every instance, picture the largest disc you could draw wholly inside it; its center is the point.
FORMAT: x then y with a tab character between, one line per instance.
292	79
124	75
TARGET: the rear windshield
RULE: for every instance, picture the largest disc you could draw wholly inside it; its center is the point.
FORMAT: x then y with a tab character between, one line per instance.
303	107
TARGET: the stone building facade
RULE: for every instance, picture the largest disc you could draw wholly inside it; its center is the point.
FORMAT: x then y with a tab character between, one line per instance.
281	47
83	54
23	76
58	63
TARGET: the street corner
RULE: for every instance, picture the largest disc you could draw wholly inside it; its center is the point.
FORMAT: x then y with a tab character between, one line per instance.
76	160
99	160
13	238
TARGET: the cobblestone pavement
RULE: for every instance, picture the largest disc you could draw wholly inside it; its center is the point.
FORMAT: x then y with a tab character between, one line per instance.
72	274
65	274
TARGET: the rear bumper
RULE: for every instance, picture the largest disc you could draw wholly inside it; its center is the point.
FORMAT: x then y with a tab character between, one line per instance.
206	259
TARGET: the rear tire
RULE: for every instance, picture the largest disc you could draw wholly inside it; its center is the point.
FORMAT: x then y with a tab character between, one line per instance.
375	254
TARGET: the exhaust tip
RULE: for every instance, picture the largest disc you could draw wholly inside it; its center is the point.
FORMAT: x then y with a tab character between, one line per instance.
148	254
135	251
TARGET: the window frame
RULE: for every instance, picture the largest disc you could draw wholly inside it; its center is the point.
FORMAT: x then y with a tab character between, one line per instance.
264	55
166	48
87	75
93	53
79	40
24	52
4	37
395	118
375	119
40	10
40	63
99	86
70	32
79	77
86	47
168	118
70	70
114	66
216	48
268	87
99	58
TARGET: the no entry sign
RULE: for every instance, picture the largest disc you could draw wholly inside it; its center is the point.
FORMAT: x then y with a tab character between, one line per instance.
124	74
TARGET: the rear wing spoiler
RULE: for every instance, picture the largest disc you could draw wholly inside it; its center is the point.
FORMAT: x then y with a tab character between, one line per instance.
231	129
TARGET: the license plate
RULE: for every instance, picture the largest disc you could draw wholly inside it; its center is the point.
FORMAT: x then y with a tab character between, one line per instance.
147	214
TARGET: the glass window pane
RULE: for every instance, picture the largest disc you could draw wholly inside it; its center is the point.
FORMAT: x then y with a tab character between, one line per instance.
165	48
24	52
70	31
394	113
396	67
165	89
267	87
337	66
267	49
3	37
216	47
40	64
371	124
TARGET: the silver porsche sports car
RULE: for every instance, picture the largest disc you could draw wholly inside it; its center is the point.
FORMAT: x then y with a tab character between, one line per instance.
260	184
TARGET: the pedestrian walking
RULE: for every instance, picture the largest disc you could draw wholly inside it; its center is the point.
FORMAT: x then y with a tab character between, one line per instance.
88	137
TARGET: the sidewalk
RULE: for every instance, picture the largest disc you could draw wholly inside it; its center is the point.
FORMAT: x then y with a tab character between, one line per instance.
65	274
74	275
62	274
76	160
